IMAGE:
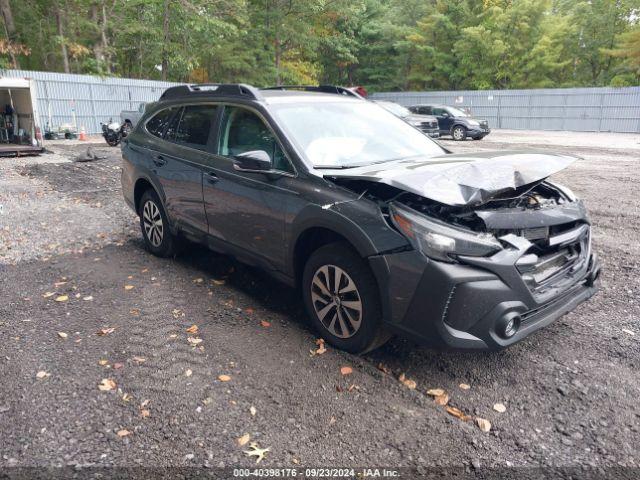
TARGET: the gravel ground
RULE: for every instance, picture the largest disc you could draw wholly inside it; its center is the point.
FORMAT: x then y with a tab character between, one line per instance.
570	391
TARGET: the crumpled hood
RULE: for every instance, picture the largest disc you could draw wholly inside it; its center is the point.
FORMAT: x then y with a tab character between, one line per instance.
461	179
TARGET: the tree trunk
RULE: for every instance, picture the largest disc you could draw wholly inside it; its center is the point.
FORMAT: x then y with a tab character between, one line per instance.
165	31
63	45
276	45
104	41
7	15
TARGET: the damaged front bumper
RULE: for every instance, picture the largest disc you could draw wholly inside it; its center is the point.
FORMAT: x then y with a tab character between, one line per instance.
467	304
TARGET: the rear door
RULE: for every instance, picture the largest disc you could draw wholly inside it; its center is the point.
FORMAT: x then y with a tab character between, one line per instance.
247	210
179	166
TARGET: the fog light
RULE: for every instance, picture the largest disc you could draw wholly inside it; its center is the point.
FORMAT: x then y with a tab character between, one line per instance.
508	325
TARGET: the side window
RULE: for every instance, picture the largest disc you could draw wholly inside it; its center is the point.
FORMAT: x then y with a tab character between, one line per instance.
425	110
157	124
194	127
243	131
438	111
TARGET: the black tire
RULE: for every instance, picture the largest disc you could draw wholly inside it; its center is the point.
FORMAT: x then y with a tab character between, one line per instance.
113	142
370	334
167	246
459	133
478	138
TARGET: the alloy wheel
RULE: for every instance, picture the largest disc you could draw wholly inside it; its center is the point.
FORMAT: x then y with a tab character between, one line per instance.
336	301
152	220
458	133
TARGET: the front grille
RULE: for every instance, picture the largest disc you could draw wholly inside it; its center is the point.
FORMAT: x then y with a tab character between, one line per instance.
554	258
428	125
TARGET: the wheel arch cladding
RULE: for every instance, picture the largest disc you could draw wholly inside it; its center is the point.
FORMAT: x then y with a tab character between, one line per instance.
317	226
142	185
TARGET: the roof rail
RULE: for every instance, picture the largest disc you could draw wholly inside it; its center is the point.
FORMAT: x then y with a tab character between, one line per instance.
317	88
212	89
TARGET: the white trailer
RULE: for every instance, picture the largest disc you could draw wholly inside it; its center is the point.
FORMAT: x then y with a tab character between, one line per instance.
20	127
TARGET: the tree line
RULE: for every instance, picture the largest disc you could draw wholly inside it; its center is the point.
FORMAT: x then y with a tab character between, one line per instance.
380	44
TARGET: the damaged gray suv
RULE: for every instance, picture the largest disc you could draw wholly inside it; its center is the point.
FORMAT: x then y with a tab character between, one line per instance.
383	231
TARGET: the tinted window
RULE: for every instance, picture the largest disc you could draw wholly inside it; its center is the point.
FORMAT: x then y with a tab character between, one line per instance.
157	124
194	126
243	131
439	111
425	110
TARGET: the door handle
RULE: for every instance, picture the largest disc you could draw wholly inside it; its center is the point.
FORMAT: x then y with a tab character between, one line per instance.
159	161
212	177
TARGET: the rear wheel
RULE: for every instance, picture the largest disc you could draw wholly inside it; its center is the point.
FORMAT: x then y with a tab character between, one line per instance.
155	226
459	133
342	299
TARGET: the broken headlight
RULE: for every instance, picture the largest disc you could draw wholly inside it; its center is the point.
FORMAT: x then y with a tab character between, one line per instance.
438	240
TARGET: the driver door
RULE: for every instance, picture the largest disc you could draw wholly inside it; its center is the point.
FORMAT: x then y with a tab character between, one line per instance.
246	210
445	120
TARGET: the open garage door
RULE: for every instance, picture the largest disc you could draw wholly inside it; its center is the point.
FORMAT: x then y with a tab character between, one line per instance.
20	132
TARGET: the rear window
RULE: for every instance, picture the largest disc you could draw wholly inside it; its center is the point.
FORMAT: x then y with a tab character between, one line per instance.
195	126
157	124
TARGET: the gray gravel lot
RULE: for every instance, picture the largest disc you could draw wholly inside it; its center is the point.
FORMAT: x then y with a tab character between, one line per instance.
571	391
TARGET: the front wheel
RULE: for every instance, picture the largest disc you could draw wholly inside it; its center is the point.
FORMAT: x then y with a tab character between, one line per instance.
113	140
155	226
459	133
342	299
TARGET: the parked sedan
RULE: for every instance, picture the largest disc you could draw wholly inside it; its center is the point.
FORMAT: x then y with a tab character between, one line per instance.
378	226
425	123
455	122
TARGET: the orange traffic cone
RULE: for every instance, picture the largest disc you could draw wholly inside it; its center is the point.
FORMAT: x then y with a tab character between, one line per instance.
83	135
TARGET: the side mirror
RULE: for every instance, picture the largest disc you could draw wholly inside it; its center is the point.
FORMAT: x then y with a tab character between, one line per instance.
257	161
444	115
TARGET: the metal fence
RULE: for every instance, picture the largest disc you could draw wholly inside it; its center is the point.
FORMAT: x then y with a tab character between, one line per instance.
85	100
573	109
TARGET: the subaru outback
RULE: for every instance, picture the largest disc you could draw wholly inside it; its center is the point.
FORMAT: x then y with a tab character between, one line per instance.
383	231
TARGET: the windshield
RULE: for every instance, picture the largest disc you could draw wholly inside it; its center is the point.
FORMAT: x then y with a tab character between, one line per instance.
396	109
456	112
350	134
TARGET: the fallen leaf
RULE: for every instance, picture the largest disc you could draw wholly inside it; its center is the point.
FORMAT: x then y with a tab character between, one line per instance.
198	280
628	332
456	412
139	359
256	451
188	372
126	397
118	365
135	311
264	323
383	368
106	384
207	401
123	433
87	298
129	287
103	362
106	331
253	411
346	370
62	335
243	440
144	270
42	374
145	403
464	386
442	399
144	413
321	347
224	378
435	392
177	313
500	408
483	424
410	384
218	282
194	341
62	298
48	294
192	329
